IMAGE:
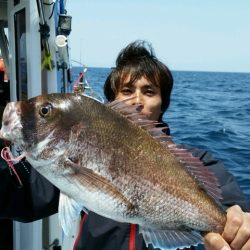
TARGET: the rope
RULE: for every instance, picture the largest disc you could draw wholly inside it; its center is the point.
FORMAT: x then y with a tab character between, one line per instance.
8	157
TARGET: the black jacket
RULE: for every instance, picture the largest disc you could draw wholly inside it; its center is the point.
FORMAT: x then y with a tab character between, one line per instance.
38	198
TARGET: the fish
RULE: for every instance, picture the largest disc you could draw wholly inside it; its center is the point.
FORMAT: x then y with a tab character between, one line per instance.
112	160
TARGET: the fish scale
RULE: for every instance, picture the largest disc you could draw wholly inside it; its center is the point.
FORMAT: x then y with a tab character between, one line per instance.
115	162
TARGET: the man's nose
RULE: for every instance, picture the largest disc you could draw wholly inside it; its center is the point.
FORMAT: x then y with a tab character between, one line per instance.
138	101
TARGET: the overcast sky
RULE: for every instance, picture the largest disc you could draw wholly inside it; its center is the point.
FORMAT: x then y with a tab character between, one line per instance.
204	35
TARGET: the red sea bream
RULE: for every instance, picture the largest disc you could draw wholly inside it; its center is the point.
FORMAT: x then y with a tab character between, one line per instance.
113	161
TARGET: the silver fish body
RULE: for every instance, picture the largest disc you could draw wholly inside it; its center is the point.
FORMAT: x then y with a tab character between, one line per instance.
116	167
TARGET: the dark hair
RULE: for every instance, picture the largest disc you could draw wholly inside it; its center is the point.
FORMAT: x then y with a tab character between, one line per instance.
138	60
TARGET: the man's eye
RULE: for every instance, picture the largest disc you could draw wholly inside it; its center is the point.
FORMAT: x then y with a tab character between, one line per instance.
126	91
150	92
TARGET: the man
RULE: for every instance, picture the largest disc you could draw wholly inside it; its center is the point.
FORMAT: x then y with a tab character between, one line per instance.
141	76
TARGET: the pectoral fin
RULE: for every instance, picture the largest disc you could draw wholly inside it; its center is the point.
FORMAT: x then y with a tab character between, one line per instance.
69	210
96	183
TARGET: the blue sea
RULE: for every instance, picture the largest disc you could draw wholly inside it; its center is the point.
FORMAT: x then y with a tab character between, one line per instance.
208	110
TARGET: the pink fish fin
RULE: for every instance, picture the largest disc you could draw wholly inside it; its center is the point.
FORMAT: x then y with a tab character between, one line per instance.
133	113
118	104
204	177
172	239
68	211
88	178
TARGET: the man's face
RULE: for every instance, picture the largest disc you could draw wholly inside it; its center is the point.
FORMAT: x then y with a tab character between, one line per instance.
144	94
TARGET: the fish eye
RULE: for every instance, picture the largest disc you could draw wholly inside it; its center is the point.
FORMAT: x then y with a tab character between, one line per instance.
45	110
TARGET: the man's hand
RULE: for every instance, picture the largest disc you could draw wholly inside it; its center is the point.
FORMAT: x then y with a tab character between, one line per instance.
236	234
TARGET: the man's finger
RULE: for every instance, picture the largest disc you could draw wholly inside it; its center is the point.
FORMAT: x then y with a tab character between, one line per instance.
243	235
214	241
233	224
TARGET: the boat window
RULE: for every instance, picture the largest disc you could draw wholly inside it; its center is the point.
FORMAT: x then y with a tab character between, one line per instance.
16	2
21	55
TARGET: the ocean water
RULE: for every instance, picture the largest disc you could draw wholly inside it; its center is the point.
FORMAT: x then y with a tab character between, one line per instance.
208	110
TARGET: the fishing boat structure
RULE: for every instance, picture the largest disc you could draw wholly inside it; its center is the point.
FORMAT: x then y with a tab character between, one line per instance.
34	46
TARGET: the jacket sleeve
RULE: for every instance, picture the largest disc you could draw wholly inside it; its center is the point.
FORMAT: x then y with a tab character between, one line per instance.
231	192
36	199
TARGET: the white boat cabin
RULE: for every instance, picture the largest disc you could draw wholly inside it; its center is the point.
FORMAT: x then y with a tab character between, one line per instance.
34	60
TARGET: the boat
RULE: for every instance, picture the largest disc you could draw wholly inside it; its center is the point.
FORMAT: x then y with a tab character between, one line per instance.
34	46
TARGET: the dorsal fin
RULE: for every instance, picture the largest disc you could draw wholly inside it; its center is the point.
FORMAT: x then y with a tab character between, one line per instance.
206	179
132	113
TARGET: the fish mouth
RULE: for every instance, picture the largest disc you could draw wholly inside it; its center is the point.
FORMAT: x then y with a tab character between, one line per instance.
11	126
6	134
